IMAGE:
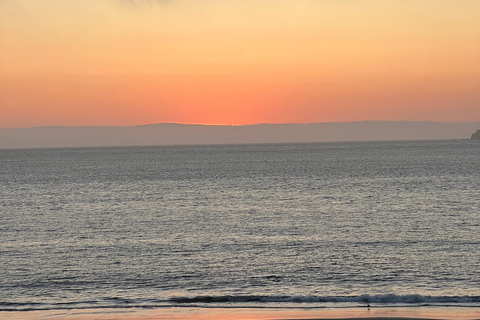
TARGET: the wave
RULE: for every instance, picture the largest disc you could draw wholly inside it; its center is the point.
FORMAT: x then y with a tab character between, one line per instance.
253	301
366	298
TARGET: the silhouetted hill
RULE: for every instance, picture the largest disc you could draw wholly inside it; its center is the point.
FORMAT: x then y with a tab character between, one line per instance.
185	134
476	135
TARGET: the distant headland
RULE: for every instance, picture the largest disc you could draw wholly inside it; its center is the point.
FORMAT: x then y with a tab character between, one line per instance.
476	135
162	134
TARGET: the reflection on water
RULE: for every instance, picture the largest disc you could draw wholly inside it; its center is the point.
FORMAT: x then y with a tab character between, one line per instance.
337	224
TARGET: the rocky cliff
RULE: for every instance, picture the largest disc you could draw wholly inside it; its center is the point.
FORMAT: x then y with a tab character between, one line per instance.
476	135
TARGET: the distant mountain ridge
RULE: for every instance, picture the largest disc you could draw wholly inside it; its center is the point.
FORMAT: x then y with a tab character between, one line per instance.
195	134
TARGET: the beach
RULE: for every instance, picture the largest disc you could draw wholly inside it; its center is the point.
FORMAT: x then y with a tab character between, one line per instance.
441	313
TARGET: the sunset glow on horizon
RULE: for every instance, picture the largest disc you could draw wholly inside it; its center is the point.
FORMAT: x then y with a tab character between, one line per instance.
128	62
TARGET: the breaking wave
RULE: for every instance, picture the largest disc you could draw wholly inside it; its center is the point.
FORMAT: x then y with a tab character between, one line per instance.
255	301
381	299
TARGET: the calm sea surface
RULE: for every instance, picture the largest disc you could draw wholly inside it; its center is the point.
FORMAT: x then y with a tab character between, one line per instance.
294	225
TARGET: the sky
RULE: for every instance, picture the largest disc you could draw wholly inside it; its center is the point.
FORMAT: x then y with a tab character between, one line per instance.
129	62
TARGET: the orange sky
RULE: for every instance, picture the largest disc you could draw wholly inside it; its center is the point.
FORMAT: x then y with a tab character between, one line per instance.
127	62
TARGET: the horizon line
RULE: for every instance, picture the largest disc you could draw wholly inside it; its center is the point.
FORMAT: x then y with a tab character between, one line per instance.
231	125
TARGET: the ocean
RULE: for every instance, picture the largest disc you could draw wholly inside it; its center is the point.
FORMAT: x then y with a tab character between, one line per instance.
326	225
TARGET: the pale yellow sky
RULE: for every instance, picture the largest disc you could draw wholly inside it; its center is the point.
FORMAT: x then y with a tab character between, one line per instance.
108	62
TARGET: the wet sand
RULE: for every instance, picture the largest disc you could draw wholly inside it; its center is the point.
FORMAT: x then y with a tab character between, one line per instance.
447	313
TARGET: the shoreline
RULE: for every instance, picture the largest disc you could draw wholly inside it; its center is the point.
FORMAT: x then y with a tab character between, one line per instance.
175	313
